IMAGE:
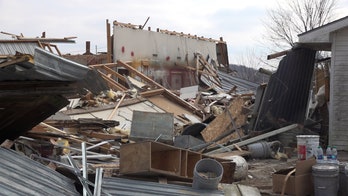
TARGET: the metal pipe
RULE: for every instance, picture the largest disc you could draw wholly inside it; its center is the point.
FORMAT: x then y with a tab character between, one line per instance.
84	166
98	181
93	156
99	144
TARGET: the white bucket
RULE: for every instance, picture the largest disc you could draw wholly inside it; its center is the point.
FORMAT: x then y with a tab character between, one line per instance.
306	146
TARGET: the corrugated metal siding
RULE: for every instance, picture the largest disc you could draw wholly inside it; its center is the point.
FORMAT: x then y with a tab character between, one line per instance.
338	134
10	48
120	186
287	92
20	175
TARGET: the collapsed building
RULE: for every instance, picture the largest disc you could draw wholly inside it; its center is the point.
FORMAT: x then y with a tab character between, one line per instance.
155	104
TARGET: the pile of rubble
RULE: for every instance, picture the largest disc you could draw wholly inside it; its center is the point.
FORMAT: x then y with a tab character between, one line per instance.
133	133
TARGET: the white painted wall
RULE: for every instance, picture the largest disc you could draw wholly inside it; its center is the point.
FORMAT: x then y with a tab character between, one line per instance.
338	128
158	48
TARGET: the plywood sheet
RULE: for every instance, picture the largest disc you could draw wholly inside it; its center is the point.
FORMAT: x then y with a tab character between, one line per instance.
223	123
169	106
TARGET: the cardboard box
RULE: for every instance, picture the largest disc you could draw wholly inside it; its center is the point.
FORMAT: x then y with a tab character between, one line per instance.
299	183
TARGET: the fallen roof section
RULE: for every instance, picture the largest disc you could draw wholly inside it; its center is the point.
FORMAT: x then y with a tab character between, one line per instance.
46	66
20	175
287	92
25	104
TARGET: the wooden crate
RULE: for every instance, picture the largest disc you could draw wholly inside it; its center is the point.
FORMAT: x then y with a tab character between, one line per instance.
149	158
153	158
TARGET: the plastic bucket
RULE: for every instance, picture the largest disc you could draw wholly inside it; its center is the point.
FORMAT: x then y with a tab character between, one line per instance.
306	145
325	178
260	149
343	181
207	174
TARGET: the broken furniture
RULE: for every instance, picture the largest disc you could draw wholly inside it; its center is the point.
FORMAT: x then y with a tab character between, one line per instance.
154	159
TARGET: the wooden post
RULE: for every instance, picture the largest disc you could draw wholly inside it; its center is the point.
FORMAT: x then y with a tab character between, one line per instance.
108	42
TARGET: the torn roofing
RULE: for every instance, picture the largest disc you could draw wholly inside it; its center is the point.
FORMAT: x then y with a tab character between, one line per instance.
12	47
20	175
47	66
120	186
287	92
25	104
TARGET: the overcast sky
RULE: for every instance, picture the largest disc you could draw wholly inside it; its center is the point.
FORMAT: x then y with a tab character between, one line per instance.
239	22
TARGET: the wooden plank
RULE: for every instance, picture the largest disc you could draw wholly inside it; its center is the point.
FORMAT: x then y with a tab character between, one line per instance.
106	165
151	93
223	123
114	73
168	105
7	144
112	82
139	74
255	139
116	107
103	136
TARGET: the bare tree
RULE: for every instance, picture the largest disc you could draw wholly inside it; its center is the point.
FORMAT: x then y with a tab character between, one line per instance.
293	17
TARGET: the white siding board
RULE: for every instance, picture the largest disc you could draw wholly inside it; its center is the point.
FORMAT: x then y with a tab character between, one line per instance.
338	131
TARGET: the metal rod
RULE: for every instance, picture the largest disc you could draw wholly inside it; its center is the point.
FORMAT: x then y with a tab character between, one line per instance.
98	181
93	156
84	165
99	144
84	181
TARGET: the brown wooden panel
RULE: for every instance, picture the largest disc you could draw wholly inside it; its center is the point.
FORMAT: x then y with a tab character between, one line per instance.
223	122
135	158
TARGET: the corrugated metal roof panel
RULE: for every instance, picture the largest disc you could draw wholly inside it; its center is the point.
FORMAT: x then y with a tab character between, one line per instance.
48	66
229	81
287	92
10	48
121	186
19	175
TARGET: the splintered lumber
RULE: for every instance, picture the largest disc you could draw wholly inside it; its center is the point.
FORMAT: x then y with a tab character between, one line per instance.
232	119
255	139
116	107
166	93
112	82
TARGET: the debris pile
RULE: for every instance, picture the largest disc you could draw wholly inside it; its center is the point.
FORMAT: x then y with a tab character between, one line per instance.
135	132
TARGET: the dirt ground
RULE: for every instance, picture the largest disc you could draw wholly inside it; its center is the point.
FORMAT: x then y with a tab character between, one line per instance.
260	173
